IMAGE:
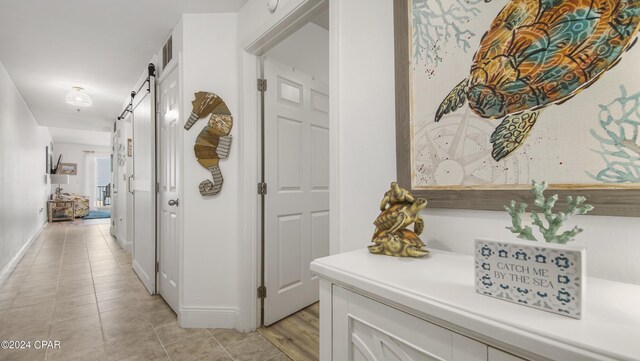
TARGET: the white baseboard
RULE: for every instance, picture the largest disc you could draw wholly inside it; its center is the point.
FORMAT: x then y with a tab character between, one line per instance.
8	269
207	317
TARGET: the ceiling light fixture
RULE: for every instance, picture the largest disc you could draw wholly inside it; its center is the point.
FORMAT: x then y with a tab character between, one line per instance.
78	97
272	5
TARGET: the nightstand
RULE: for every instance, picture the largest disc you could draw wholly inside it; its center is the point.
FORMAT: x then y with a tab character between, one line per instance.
61	210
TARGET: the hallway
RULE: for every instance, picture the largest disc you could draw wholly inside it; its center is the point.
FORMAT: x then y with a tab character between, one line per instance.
75	285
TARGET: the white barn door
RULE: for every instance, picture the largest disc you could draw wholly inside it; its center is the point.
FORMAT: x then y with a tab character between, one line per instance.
143	186
116	216
169	205
119	189
297	177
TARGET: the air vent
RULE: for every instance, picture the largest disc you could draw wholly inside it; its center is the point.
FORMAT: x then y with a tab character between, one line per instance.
167	52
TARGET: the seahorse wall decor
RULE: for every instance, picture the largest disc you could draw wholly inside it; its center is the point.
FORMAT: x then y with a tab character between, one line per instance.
214	141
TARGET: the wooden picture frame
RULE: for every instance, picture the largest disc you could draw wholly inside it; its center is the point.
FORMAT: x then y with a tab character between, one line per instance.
68	168
612	200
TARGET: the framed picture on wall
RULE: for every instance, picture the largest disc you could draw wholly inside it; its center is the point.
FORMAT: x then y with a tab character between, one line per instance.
68	168
129	147
493	95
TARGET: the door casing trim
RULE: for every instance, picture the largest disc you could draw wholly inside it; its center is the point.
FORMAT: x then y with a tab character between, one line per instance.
283	23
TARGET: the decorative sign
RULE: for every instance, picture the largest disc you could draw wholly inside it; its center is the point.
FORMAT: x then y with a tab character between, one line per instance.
540	275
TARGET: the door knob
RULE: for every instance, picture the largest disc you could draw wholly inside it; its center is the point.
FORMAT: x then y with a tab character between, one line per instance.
173	202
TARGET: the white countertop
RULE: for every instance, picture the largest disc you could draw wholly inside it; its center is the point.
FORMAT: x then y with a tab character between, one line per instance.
441	285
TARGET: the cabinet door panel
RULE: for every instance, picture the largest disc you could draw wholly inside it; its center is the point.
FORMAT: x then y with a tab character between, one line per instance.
365	329
376	343
466	349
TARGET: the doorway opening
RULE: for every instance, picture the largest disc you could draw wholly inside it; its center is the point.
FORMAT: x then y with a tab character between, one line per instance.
102	187
295	167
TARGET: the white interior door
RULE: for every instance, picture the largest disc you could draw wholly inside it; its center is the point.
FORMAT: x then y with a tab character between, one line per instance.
115	177
120	182
128	131
119	187
169	207
143	185
297	176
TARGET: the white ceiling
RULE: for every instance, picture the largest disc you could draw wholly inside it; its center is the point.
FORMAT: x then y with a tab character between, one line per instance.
103	46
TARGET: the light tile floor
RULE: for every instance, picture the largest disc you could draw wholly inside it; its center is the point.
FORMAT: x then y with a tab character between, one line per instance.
75	285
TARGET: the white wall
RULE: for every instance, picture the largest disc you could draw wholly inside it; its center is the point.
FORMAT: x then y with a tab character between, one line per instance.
210	251
83	183
306	50
256	18
367	156
24	187
254	13
366	113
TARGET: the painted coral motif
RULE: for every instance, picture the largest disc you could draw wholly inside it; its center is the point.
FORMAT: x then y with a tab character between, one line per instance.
437	24
537	53
618	137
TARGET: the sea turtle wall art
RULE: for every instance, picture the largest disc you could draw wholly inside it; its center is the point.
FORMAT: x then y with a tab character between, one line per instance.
507	91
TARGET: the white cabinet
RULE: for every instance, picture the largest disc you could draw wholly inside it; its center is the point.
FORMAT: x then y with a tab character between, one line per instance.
465	348
367	330
379	308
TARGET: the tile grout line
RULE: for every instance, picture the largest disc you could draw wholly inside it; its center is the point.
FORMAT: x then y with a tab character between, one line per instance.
137	297
37	251
276	346
280	354
159	340
32	262
110	248
218	342
95	293
115	257
146	314
55	297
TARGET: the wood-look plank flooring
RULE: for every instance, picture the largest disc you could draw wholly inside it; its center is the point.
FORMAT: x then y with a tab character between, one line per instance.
297	336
